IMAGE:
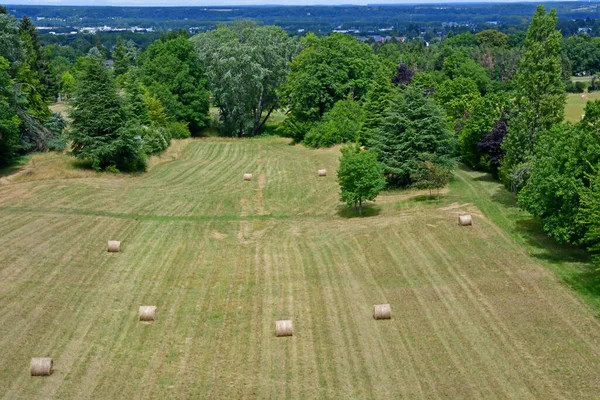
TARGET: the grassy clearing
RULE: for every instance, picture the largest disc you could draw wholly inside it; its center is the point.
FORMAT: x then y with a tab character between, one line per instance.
576	104
475	315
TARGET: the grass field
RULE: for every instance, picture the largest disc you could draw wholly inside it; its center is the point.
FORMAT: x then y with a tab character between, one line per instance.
477	312
576	104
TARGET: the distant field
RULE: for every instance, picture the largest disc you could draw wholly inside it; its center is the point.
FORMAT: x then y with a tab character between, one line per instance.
476	314
576	105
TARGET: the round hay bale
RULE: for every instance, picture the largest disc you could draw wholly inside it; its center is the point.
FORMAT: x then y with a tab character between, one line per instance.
382	311
247	177
147	313
114	246
284	328
465	220
322	172
41	366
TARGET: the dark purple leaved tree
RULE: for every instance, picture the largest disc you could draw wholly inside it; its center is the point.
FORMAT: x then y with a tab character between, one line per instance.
403	75
492	142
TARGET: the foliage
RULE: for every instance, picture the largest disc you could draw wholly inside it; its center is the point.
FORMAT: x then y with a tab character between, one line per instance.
9	120
576	87
589	214
342	124
583	52
171	71
431	176
376	101
491	145
403	75
10	44
97	131
412	130
360	176
460	65
246	64
67	86
492	38
565	158
178	130
540	97
37	62
486	112
328	69
457	97
124	56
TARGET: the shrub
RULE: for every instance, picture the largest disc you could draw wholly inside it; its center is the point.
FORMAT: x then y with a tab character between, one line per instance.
342	124
178	130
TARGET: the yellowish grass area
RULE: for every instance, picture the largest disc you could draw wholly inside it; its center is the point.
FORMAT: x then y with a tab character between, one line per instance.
576	104
474	315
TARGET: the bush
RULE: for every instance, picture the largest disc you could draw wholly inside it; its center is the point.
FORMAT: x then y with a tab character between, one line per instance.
155	138
576	87
294	129
342	124
178	130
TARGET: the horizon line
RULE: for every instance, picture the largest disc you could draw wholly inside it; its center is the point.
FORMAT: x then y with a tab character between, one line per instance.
277	3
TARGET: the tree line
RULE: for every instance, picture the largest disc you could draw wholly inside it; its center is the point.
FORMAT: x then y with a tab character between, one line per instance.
408	112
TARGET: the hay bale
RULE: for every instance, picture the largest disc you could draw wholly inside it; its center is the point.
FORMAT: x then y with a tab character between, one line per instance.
247	177
284	328
147	313
382	311
322	172
465	220
114	246
41	366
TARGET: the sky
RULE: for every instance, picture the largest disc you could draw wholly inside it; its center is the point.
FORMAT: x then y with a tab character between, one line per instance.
226	2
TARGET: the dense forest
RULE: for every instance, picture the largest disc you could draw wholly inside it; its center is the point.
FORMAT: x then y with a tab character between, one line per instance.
408	111
405	20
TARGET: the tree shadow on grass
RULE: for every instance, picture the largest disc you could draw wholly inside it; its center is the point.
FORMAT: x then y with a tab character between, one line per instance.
18	165
532	232
369	210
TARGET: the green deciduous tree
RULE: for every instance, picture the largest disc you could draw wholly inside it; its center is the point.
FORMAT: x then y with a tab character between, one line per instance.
540	92
460	65
171	70
457	97
492	38
9	121
431	176
328	69
412	131
565	158
360	176
246	64
342	124
485	114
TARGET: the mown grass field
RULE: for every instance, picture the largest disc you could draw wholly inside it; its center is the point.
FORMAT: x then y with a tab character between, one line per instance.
576	105
477	313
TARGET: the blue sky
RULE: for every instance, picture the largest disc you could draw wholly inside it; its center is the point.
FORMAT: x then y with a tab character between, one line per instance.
222	2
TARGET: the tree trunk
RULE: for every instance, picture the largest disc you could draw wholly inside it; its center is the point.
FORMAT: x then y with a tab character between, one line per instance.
257	114
438	194
360	208
265	119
